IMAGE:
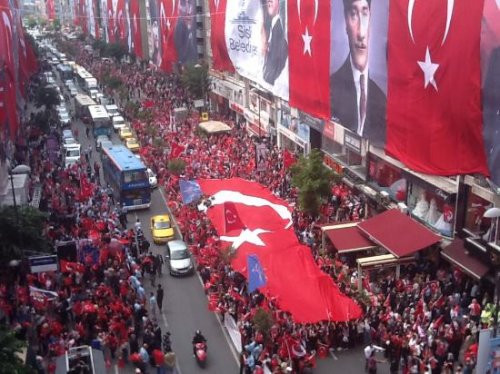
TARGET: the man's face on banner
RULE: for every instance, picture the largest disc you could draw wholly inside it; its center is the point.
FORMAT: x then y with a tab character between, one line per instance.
357	21
273	7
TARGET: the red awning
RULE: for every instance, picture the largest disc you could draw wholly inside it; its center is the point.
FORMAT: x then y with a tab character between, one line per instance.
458	255
398	233
347	238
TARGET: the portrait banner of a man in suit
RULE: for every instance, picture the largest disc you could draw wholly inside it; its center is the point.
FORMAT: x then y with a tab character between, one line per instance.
185	32
490	62
358	65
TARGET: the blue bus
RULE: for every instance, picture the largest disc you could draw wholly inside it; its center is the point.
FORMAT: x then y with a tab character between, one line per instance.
127	176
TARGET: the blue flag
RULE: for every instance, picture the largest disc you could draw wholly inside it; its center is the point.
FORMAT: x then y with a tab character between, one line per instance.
190	191
256	276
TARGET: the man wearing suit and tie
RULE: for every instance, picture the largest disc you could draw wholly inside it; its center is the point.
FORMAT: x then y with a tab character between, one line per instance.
277	46
356	100
184	36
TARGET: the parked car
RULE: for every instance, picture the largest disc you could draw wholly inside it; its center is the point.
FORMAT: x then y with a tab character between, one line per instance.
179	260
126	133
118	123
132	144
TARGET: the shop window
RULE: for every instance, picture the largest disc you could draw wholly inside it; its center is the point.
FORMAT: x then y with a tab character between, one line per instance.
475	223
387	177
353	158
431	208
330	146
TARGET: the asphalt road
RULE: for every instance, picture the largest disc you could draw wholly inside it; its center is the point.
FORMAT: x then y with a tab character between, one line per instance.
185	304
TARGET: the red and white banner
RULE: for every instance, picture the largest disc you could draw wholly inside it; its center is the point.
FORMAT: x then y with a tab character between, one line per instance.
308	36
168	22
434	119
135	29
221	60
110	21
293	278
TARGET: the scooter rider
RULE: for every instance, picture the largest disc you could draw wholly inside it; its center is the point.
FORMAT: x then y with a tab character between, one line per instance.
198	338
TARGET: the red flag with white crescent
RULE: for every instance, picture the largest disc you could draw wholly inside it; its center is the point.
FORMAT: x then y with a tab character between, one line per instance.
135	19
168	20
221	60
232	220
434	119
309	54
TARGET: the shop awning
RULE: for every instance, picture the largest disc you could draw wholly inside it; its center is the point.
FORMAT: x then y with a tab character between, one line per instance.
458	255
347	238
398	233
214	127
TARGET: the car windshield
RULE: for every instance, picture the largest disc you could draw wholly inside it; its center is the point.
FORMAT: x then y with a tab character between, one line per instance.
73	153
160	225
69	141
179	255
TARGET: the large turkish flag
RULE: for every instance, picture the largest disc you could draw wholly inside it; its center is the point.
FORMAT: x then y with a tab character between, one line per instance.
434	120
221	60
293	278
135	19
309	54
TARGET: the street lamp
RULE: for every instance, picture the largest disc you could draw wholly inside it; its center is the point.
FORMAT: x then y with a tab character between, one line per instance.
494	214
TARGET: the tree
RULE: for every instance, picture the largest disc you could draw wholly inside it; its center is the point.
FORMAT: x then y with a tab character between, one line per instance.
56	24
176	166
99	45
195	79
115	50
31	23
46	96
313	180
10	347
263	322
22	233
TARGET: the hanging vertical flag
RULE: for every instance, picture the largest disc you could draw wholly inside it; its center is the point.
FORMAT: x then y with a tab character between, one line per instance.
309	53
135	20
221	60
434	120
168	21
232	220
256	276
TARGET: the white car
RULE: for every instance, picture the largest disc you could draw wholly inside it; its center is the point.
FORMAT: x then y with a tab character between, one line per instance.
73	91
69	142
153	181
64	118
93	93
67	134
179	260
112	110
119	123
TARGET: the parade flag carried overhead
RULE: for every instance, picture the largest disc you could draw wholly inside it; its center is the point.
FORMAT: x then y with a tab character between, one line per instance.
434	119
190	191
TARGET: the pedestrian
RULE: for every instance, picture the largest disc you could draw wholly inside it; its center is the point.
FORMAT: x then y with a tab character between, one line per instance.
111	197
153	305
159	262
87	132
159	297
89	150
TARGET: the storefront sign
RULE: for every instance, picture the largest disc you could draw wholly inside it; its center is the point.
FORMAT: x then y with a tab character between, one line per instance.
236	107
352	141
312	122
329	130
332	164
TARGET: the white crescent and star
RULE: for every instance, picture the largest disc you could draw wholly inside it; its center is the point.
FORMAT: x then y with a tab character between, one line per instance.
246	236
230	217
429	69
306	37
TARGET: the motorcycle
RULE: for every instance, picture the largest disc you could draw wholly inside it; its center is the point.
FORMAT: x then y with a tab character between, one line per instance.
201	354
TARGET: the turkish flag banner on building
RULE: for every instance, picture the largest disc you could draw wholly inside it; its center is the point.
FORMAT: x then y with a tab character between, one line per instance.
168	21
309	54
293	278
221	60
232	220
110	24
135	20
434	119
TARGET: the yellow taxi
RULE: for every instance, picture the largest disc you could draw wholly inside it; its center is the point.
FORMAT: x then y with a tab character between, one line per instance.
132	144
161	229
126	133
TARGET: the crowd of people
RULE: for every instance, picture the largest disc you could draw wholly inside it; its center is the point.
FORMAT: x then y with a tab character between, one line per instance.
425	321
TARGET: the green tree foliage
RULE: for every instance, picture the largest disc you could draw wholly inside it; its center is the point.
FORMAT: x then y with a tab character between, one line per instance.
263	321
46	96
195	79
313	180
115	50
42	121
176	166
56	24
112	81
31	22
24	233
10	347
99	45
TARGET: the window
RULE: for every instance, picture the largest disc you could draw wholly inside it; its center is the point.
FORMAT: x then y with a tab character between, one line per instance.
475	223
431	208
330	146
133	176
386	177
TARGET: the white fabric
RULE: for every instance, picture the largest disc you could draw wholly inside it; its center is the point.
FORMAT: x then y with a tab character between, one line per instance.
432	214
422	207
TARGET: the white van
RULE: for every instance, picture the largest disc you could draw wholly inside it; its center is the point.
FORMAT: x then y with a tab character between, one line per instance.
119	123
112	110
71	155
